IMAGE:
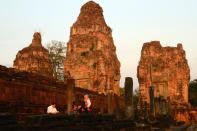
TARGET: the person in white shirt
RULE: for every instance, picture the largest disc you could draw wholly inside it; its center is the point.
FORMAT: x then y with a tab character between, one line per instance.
52	109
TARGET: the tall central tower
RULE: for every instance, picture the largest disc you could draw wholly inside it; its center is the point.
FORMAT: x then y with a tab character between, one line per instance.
91	55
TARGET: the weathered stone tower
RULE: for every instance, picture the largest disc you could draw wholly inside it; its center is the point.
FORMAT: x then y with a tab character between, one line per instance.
91	55
166	69
34	58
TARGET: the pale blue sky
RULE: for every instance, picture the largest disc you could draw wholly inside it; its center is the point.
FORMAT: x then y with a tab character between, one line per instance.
133	22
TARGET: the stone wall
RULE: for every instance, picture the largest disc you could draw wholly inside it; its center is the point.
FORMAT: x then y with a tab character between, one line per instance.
26	93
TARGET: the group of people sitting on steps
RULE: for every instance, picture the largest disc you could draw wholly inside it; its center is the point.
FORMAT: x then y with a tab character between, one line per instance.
86	107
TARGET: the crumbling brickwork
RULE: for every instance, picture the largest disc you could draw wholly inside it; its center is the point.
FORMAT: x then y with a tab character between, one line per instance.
91	55
34	58
166	69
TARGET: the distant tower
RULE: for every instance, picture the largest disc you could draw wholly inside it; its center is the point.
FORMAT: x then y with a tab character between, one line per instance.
91	55
166	69
34	58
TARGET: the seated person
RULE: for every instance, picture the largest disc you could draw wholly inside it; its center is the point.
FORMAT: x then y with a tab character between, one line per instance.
75	108
52	109
87	103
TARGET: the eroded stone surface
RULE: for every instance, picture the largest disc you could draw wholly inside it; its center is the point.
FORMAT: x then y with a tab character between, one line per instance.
166	69
24	94
91	55
34	58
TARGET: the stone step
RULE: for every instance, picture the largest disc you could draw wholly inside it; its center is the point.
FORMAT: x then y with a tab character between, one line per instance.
4	107
7	119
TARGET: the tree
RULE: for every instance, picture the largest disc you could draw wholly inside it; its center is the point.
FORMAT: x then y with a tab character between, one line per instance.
57	53
193	92
122	91
136	97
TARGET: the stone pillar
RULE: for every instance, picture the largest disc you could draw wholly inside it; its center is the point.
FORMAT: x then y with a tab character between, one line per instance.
163	107
117	107
102	108
129	97
152	101
70	94
110	103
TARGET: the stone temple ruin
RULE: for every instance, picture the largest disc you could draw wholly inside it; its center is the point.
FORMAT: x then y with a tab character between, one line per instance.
91	55
34	58
166	70
92	67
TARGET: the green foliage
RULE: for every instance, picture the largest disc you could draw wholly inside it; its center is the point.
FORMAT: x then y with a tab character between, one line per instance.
135	97
122	91
193	92
57	53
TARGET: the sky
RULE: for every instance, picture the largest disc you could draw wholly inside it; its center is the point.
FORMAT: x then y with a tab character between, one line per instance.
133	23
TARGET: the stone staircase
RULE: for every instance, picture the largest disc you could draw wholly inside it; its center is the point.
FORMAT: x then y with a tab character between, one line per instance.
59	122
4	107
